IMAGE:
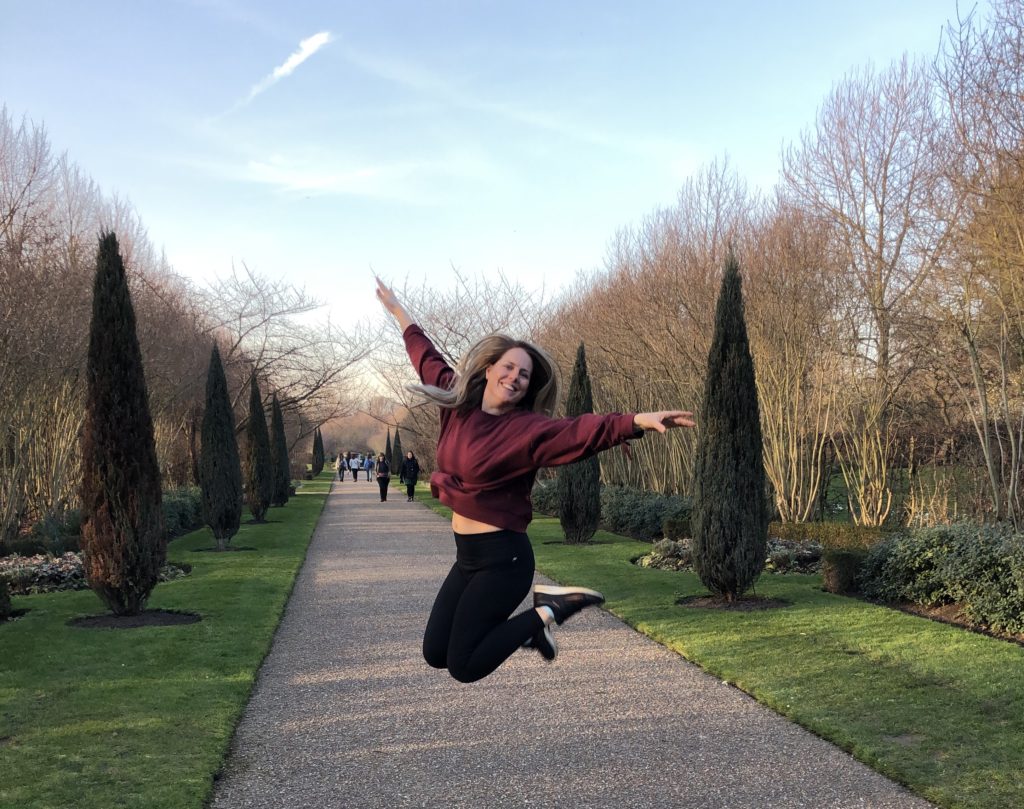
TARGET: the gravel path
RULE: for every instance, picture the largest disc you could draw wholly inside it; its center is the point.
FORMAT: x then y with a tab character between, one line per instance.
345	712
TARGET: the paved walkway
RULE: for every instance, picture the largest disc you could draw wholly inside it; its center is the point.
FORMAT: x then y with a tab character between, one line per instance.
345	712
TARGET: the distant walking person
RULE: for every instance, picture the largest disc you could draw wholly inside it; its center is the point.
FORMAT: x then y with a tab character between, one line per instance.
495	433
354	465
410	473
368	466
341	465
383	476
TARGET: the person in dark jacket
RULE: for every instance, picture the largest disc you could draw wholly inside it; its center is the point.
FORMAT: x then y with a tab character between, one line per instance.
496	432
383	469
410	474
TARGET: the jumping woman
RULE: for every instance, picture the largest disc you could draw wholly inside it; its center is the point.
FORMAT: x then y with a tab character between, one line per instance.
496	432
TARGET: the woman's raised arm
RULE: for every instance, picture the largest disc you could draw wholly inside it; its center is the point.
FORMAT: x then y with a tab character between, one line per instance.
390	302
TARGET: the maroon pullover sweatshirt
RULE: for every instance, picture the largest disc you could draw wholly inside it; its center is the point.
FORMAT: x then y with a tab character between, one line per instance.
486	464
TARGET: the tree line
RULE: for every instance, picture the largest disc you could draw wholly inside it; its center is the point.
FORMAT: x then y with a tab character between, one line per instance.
51	215
884	278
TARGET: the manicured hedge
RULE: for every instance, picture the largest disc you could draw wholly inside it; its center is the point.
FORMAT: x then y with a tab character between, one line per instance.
979	567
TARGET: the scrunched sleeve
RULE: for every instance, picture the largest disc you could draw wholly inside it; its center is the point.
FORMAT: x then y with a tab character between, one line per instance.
427	360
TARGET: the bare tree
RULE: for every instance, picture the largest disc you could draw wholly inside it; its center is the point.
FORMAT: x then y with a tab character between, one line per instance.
265	329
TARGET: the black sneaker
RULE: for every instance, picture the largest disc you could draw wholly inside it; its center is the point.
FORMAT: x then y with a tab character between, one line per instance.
543	642
565	601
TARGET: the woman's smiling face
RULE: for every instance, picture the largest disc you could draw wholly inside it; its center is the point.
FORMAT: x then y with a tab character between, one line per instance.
508	380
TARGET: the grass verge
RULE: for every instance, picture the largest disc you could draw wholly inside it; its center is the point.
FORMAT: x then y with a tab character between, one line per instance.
935	707
143	717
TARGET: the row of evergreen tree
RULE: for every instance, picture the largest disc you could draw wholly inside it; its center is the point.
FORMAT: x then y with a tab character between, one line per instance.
731	509
122	535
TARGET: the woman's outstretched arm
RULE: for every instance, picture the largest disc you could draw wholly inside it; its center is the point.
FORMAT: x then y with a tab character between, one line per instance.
663	420
390	302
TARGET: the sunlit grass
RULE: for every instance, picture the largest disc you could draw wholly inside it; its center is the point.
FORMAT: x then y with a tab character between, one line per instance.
932	706
143	717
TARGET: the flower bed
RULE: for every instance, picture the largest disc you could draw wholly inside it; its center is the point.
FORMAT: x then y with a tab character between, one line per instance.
784	556
47	574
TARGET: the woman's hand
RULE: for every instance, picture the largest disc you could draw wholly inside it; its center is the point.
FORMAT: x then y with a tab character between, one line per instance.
664	420
390	302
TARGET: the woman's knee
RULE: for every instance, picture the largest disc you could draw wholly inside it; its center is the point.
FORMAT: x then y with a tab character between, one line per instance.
465	673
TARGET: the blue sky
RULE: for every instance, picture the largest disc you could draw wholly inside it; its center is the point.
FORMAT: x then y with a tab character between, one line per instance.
313	139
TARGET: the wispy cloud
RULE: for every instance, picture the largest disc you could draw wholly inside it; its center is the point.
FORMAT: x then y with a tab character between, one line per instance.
307	48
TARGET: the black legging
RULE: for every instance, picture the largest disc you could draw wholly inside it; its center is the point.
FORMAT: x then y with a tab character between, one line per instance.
469	631
410	488
383	483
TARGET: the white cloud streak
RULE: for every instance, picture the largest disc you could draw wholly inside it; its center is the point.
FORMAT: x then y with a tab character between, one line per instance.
307	48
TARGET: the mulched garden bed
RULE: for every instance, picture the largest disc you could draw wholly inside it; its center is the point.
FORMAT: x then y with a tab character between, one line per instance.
143	619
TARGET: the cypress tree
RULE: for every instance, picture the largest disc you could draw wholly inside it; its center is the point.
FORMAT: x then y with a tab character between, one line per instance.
318	452
259	469
220	471
124	541
579	484
396	459
279	455
387	448
730	515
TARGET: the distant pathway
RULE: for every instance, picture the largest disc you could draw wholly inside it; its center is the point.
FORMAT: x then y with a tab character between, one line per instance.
345	712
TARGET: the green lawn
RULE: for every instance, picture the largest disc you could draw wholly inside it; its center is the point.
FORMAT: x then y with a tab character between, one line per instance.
932	706
143	717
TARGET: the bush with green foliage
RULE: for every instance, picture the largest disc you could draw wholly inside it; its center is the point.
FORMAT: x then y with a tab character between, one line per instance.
183	510
633	512
579	484
641	514
978	567
124	541
5	601
730	515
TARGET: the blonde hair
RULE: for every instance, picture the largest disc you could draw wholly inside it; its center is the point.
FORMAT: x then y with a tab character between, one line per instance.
468	391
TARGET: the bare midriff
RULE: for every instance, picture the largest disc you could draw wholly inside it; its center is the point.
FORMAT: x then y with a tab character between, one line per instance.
464	525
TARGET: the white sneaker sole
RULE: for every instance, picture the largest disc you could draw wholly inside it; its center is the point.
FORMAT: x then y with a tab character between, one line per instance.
551	590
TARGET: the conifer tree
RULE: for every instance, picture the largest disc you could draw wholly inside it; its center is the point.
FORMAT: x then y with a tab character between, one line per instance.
318	452
387	448
730	515
220	470
279	455
124	541
579	484
259	468
396	459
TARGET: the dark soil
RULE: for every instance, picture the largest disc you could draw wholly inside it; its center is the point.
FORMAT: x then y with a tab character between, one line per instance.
12	616
144	618
742	604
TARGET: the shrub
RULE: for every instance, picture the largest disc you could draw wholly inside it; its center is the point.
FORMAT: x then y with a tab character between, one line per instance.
979	567
837	535
183	510
640	514
5	601
840	568
545	497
